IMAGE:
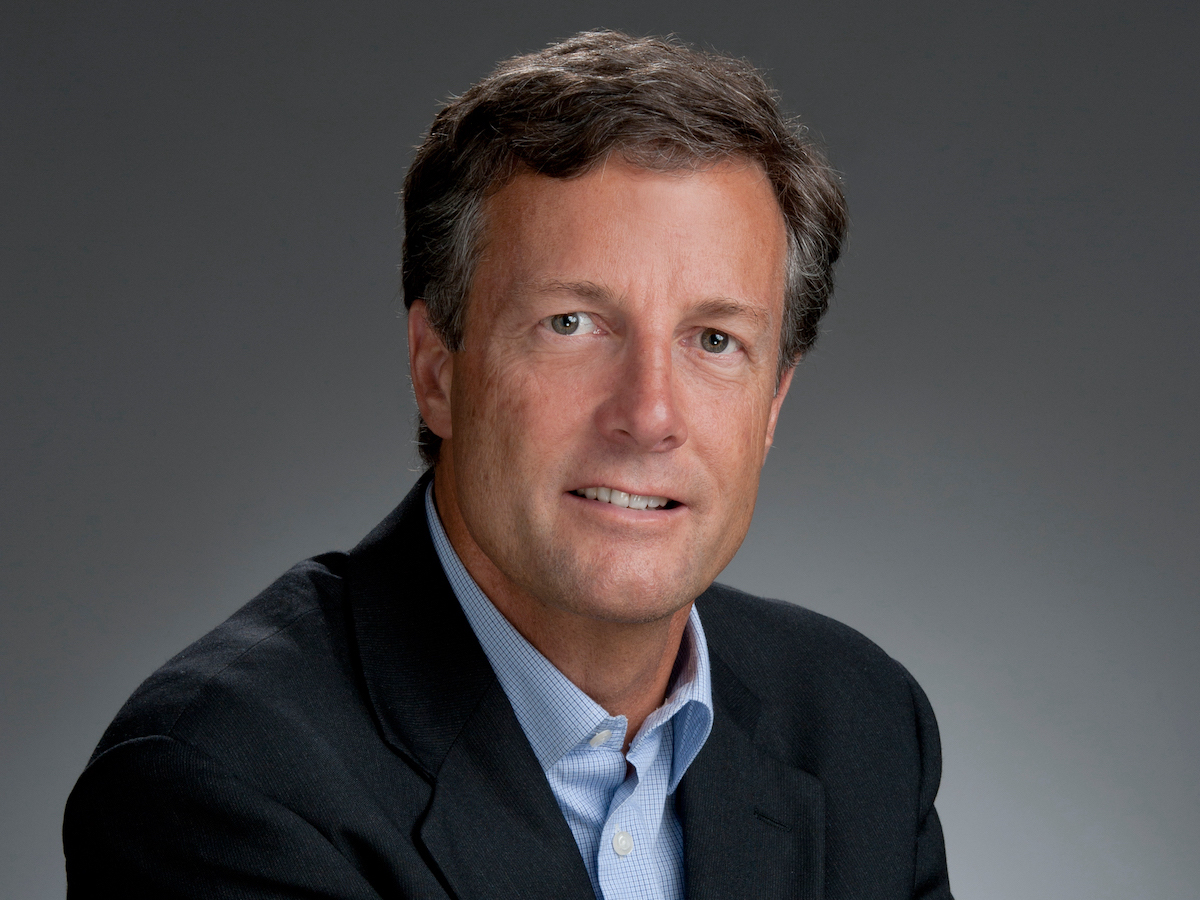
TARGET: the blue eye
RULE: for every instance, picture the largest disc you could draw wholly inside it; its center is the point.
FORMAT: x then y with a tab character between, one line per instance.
715	341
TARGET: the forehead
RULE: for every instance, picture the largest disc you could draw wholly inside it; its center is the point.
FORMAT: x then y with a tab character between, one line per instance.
714	231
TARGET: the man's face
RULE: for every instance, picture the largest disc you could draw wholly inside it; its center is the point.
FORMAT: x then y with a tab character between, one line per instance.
622	333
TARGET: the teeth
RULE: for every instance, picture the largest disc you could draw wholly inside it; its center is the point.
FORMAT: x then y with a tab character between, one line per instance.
622	499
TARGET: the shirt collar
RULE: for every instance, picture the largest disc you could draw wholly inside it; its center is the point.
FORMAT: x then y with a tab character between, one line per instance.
557	716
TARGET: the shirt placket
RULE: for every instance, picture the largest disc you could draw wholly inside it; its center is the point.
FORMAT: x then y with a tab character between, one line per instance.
625	863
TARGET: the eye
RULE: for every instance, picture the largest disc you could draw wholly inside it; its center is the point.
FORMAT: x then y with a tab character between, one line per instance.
571	323
715	341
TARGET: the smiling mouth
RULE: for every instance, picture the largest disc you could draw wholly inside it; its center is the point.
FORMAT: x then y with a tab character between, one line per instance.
624	500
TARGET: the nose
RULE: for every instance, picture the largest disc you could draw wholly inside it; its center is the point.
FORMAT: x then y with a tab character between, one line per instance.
643	409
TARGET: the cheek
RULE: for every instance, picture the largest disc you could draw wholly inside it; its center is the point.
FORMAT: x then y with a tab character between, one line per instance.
518	410
729	427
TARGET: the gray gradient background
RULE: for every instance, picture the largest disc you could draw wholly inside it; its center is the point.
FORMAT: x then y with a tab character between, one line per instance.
988	465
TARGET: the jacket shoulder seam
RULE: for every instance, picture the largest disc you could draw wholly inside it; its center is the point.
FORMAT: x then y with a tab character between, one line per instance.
169	731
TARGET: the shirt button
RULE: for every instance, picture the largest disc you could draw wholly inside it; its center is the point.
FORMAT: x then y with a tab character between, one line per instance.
600	737
623	842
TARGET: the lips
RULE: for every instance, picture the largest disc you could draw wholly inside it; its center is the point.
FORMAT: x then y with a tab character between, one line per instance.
625	500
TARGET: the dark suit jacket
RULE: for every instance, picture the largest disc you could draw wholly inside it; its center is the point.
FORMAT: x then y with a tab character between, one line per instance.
343	735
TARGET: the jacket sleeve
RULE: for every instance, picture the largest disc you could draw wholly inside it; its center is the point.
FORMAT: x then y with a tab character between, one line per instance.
154	817
931	880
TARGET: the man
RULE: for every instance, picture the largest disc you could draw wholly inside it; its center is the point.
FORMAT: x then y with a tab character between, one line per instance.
524	683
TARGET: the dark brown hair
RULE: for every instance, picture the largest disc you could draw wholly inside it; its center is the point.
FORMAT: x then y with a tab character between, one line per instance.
562	111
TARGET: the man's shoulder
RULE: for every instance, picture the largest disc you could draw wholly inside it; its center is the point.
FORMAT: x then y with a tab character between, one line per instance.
775	648
781	629
254	750
286	647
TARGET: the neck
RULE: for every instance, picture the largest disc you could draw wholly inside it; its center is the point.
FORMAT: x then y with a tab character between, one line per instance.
624	666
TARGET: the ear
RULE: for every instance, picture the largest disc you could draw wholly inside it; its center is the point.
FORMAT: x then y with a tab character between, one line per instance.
785	382
431	366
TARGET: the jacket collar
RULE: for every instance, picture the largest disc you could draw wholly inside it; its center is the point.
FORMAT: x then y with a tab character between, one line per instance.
423	669
438	704
753	826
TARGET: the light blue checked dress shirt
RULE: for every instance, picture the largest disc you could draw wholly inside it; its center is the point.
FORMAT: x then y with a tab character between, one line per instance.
623	817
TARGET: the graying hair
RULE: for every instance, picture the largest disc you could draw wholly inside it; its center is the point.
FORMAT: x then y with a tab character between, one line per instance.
563	111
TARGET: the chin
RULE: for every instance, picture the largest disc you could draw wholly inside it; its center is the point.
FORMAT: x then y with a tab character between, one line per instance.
621	611
627	594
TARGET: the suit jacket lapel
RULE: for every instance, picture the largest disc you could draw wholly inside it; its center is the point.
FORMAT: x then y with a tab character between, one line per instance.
752	825
492	826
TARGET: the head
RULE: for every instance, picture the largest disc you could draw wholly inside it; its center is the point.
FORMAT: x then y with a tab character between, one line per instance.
566	110
615	252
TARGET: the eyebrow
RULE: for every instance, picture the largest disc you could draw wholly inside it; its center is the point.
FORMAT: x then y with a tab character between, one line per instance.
588	290
717	307
727	308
